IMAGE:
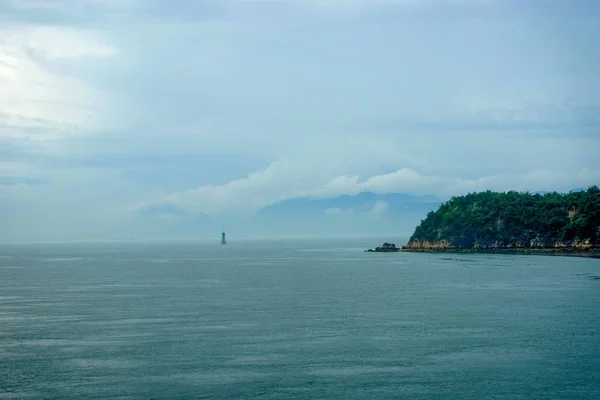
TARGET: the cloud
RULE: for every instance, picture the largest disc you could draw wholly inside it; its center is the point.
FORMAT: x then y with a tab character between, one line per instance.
52	42
224	107
38	101
410	181
93	11
282	181
400	181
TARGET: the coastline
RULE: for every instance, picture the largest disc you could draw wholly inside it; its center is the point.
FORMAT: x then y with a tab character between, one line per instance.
550	251
561	224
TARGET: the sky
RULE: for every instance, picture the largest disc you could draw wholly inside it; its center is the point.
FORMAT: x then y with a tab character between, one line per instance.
211	110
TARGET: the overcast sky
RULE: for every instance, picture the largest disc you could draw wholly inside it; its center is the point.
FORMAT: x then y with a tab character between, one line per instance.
108	107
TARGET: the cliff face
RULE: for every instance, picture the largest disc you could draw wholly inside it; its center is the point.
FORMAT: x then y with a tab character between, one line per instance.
537	243
425	244
512	220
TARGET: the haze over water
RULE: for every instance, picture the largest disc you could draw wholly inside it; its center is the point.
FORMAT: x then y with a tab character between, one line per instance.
302	319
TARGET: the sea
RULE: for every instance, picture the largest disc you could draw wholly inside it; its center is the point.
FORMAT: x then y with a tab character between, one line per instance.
294	319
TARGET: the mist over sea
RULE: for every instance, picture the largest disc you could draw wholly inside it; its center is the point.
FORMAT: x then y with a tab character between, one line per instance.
294	319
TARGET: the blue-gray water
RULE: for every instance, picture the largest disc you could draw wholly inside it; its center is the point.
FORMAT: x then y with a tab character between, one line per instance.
298	320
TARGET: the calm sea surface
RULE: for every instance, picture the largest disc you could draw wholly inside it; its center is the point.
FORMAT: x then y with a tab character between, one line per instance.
294	320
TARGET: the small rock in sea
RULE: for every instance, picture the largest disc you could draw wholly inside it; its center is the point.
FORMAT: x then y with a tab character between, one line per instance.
387	247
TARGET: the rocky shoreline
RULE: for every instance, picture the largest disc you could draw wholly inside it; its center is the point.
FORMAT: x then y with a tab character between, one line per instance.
385	248
513	223
574	251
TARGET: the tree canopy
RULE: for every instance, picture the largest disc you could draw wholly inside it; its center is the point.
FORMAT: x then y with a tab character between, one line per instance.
514	219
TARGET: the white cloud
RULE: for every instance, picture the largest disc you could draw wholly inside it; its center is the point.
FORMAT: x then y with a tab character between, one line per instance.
58	42
409	181
402	180
34	95
281	180
284	180
69	5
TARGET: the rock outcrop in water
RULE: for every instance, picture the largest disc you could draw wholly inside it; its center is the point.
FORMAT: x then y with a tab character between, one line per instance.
512	221
386	248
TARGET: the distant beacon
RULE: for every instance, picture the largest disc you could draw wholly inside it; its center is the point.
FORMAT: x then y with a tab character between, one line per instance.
223	241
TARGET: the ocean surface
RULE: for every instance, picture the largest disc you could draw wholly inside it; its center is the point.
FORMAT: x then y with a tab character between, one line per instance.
298	319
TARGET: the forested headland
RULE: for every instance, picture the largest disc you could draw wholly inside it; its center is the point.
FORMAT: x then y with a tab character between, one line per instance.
512	220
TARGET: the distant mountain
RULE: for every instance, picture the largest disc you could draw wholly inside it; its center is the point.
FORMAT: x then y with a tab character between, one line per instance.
362	203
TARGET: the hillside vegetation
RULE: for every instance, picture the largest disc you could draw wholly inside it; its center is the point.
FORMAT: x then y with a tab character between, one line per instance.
513	220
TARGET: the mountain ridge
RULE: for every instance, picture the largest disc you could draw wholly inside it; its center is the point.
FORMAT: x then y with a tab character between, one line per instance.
361	202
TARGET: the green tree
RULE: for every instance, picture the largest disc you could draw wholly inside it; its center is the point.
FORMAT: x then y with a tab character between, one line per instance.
488	219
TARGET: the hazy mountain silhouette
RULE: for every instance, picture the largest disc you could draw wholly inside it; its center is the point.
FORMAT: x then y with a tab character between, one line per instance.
360	203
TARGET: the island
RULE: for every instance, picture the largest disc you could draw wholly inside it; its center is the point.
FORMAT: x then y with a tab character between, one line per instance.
386	248
513	221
